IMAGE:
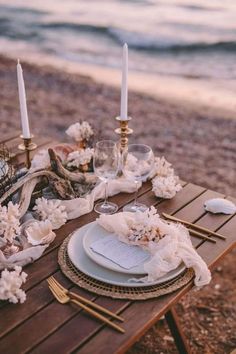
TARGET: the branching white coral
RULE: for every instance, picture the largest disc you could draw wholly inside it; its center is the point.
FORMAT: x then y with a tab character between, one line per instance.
80	157
162	168
166	187
41	160
80	131
51	210
40	232
10	285
145	228
9	222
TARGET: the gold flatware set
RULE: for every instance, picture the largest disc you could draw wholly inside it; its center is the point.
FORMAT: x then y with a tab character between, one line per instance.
196	230
65	296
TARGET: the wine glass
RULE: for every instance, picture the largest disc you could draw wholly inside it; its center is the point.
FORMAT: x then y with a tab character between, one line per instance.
106	165
138	161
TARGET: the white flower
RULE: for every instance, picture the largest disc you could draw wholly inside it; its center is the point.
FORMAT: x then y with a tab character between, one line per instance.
80	157
80	131
10	284
40	161
166	187
40	232
51	210
9	222
162	168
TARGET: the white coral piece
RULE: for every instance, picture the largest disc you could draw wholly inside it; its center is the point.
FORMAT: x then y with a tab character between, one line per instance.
131	162
9	222
80	131
41	160
145	228
80	157
10	285
166	187
40	232
51	210
162	168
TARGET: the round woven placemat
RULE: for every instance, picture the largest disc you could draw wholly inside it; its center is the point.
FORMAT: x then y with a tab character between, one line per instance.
114	291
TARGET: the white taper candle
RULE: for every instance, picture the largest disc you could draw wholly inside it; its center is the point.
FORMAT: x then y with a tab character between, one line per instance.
22	99
124	85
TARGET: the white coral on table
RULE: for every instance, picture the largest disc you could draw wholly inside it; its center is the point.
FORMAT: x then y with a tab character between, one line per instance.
80	131
166	187
9	222
162	168
80	157
40	232
40	161
51	210
10	285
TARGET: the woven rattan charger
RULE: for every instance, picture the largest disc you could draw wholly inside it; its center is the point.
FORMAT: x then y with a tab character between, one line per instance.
118	292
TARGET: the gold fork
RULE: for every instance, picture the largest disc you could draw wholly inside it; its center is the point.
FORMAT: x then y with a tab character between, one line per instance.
64	299
52	280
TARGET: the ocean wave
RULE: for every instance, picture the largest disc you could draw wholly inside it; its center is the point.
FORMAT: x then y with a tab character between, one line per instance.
138	41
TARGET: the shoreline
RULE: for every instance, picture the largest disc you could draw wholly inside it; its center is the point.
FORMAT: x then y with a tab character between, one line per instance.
212	98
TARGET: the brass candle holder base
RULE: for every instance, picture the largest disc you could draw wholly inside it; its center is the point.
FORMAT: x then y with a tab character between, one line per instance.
27	146
124	131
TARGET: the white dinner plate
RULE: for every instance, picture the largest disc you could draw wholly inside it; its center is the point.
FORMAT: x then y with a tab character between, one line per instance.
82	262
96	232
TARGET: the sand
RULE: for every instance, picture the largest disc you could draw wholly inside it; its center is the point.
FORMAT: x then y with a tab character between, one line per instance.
198	140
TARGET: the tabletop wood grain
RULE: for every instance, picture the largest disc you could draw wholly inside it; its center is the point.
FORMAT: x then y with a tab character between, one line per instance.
42	325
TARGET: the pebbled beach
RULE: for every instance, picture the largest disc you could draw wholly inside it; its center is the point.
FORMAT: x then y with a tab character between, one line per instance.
199	142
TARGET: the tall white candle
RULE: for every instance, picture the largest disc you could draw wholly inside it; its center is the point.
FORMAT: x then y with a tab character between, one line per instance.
23	106
124	85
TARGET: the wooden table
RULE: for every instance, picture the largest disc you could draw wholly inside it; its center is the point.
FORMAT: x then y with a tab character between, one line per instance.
42	325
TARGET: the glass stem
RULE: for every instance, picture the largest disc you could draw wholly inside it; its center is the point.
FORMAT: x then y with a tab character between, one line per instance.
106	192
136	193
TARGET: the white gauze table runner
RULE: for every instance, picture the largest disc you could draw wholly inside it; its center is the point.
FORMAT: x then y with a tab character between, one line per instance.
80	206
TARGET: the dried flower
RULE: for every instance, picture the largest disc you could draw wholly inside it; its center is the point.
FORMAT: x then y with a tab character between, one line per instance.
9	222
10	284
80	157
166	187
80	131
51	210
40	232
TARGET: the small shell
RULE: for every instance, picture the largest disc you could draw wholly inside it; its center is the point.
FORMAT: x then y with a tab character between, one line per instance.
40	232
220	205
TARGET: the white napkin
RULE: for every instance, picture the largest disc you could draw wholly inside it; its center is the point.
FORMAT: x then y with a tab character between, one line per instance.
167	253
80	206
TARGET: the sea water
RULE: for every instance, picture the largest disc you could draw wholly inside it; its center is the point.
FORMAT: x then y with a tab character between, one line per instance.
191	39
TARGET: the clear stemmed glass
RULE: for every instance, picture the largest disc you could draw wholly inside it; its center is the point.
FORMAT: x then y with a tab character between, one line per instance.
106	165
138	161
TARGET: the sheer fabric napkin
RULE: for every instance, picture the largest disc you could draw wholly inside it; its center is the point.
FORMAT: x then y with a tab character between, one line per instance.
168	253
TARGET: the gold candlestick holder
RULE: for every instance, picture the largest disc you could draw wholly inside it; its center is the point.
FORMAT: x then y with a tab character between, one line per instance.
27	146
124	131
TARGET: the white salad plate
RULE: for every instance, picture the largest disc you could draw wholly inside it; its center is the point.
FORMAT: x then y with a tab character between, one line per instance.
86	265
96	233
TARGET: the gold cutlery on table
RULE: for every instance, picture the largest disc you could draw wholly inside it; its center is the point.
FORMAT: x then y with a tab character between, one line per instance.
64	299
52	280
199	235
197	227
